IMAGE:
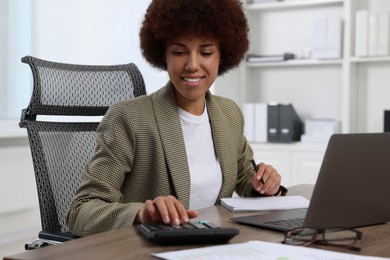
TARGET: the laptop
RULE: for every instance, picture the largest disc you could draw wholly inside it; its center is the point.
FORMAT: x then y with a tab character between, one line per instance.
352	188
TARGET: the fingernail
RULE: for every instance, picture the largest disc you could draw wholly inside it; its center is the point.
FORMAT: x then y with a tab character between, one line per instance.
166	219
176	221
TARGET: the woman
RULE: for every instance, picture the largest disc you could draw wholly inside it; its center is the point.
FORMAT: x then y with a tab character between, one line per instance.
161	157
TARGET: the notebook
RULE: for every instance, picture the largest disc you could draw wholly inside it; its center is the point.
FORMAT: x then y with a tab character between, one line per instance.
352	188
237	204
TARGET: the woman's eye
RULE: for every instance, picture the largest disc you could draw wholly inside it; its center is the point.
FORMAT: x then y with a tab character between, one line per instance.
178	53
206	54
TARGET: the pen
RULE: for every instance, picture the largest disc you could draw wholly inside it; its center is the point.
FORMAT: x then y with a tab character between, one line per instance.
256	169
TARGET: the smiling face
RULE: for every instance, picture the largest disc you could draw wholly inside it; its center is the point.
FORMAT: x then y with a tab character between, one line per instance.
192	65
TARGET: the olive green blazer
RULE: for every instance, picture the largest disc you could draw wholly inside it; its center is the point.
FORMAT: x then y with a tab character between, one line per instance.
140	155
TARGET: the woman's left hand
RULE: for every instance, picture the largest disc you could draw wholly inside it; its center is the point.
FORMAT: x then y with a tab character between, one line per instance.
266	180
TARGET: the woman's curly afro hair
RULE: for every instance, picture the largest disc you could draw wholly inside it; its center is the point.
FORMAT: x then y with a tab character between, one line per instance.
221	19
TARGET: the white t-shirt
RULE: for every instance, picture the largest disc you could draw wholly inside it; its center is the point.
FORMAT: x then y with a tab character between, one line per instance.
205	171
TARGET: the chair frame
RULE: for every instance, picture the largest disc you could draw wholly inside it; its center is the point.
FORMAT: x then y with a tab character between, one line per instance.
54	229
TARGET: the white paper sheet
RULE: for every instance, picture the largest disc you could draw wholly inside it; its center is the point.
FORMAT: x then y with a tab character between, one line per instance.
259	250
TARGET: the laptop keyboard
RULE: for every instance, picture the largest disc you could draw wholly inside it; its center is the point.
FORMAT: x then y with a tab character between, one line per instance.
288	223
193	232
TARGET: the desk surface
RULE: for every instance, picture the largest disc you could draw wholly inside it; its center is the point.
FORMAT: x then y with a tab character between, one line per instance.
128	244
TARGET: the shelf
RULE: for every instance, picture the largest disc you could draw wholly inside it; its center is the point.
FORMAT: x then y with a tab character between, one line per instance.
290	4
370	59
308	62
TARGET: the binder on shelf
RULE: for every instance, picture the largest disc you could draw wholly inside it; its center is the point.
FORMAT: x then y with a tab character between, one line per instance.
271	122
327	42
319	47
273	127
373	34
249	117
261	122
256	117
290	124
386	123
333	37
361	33
383	34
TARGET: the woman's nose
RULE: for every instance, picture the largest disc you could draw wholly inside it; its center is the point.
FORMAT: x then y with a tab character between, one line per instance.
192	63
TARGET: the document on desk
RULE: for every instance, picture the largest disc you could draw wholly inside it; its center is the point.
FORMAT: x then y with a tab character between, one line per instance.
259	250
237	204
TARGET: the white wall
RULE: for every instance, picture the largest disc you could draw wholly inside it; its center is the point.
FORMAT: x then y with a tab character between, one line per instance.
15	41
93	32
72	31
3	52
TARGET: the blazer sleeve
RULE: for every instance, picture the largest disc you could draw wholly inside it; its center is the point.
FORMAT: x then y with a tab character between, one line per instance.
97	205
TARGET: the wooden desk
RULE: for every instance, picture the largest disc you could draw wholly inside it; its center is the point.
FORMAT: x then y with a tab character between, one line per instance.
128	244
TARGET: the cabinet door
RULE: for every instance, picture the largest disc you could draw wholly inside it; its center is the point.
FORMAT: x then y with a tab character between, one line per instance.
305	167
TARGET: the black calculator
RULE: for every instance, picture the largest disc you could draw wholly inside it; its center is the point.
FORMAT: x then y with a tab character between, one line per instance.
192	232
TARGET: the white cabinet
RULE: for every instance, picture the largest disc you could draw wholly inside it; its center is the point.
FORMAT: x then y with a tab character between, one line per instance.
353	90
297	163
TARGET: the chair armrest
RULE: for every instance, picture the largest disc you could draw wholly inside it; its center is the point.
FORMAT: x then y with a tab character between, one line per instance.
56	236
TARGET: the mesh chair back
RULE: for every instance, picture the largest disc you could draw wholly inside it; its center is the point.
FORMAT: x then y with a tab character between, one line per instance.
61	149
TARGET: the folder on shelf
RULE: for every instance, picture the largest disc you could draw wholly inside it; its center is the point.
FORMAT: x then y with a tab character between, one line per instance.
361	33
383	34
386	123
327	42
273	122
319	41
256	117
273	127
373	34
290	124
284	124
249	117
333	37
261	122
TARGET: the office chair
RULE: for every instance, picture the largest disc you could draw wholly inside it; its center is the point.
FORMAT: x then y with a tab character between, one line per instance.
60	148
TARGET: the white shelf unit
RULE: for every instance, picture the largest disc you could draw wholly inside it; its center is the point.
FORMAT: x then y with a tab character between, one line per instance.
351	89
369	77
290	4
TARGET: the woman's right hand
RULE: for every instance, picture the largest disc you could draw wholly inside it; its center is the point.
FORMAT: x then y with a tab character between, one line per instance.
164	209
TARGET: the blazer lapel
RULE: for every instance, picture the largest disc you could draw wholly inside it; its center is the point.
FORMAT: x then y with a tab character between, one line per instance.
224	147
168	122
